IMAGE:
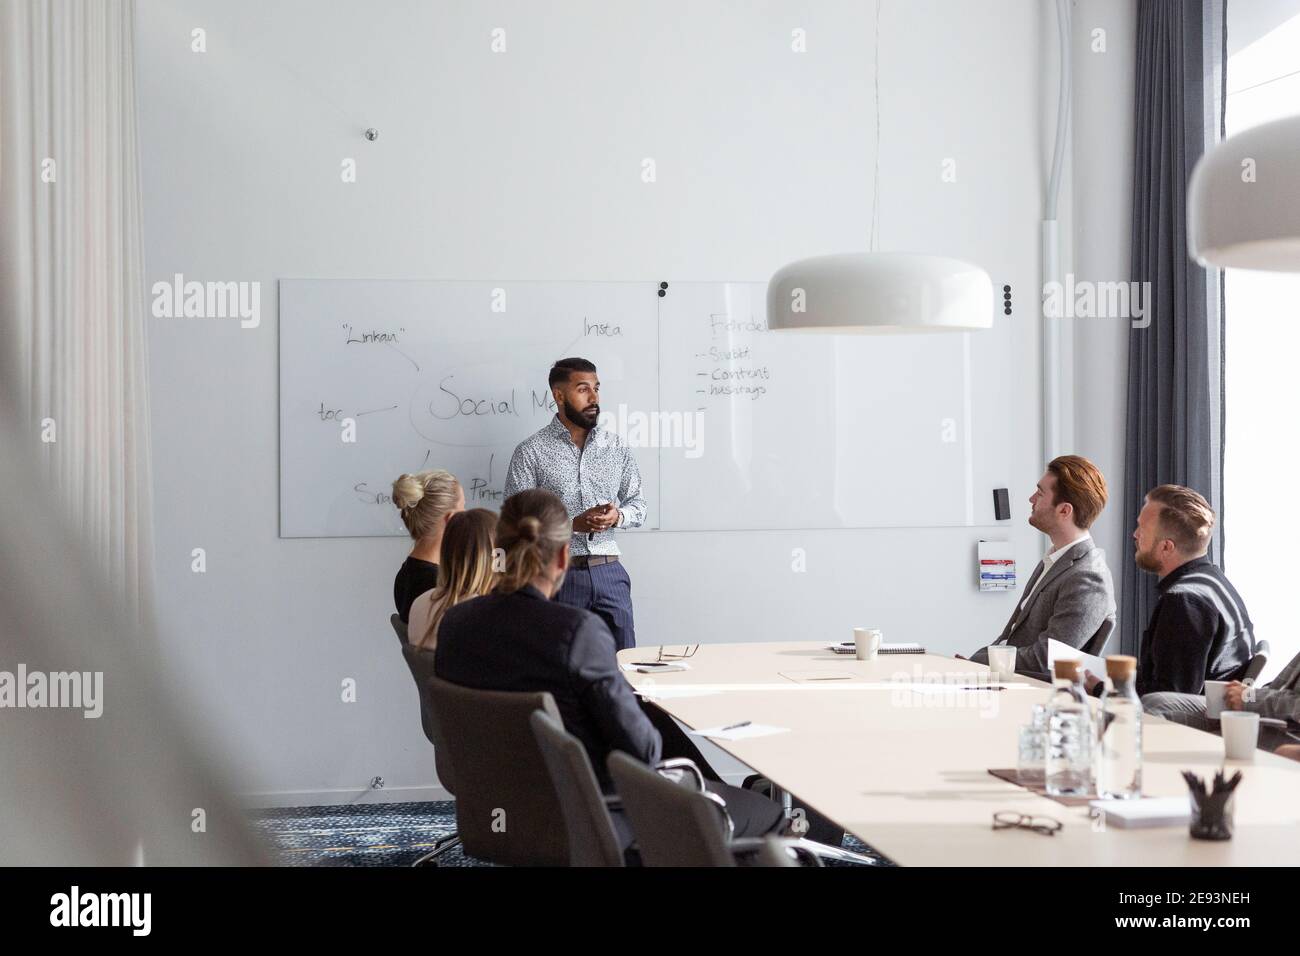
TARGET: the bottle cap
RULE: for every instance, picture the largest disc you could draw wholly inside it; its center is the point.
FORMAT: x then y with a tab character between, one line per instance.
1066	670
1121	666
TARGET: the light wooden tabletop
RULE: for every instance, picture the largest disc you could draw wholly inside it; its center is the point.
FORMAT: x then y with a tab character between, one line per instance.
906	770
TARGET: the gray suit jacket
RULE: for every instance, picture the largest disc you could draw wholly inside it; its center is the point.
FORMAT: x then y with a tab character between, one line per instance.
1073	601
1279	697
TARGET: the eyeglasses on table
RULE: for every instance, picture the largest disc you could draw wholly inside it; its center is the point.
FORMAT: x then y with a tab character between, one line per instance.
1012	820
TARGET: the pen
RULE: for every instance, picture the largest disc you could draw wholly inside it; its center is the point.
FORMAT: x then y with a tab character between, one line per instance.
591	535
743	723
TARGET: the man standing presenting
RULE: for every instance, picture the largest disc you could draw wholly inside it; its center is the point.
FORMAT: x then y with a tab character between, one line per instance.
594	473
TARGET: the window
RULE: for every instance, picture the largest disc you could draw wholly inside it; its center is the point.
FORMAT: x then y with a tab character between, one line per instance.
1262	358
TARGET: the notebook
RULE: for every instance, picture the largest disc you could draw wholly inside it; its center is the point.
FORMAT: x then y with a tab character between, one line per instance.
848	647
1146	812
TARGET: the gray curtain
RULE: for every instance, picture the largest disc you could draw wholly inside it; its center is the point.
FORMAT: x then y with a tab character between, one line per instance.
1175	372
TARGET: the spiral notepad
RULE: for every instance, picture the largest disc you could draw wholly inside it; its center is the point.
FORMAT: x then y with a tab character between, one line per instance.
847	647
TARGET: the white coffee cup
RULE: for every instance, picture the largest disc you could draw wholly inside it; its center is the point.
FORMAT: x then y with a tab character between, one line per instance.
1240	734
1002	661
867	640
1214	698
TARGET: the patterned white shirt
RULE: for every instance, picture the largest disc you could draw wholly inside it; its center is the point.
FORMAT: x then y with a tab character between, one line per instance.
603	470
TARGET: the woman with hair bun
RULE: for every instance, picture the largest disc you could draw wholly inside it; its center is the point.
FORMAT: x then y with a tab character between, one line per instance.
426	501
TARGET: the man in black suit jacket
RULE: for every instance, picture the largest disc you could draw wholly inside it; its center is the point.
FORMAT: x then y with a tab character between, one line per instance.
521	640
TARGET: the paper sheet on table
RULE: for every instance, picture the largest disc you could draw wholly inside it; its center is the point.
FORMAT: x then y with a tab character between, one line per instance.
675	667
1060	651
801	676
740	733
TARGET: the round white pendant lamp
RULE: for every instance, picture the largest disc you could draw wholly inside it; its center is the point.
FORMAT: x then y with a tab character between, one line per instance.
1243	201
879	293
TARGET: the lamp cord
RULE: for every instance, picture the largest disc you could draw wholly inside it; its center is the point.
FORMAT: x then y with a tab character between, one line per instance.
875	188
1062	106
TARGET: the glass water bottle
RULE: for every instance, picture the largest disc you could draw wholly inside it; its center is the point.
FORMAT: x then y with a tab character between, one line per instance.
1068	757
1119	774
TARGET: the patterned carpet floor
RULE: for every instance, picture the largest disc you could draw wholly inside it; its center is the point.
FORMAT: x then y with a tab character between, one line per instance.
381	834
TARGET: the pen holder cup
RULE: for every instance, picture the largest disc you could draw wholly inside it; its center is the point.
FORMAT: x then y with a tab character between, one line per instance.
1213	819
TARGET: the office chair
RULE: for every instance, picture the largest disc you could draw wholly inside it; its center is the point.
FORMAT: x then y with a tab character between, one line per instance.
421	665
1258	661
593	840
827	851
507	810
776	852
1096	644
1273	731
678	822
400	627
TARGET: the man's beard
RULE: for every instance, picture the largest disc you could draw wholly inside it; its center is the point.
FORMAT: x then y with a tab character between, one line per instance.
1145	561
584	419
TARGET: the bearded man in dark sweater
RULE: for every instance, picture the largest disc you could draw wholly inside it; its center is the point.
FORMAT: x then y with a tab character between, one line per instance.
1199	628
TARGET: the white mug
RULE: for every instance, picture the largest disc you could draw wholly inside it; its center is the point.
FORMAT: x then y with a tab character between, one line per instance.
1214	698
1002	661
1240	734
867	640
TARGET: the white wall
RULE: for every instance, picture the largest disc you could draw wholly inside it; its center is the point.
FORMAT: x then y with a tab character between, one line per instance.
1102	210
525	165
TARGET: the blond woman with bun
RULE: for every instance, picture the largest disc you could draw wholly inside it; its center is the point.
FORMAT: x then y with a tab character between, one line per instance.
426	501
464	572
518	639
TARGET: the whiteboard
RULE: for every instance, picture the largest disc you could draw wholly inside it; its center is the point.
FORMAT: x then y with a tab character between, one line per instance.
438	375
811	430
733	427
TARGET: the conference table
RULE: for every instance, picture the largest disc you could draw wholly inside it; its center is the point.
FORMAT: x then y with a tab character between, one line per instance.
897	753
